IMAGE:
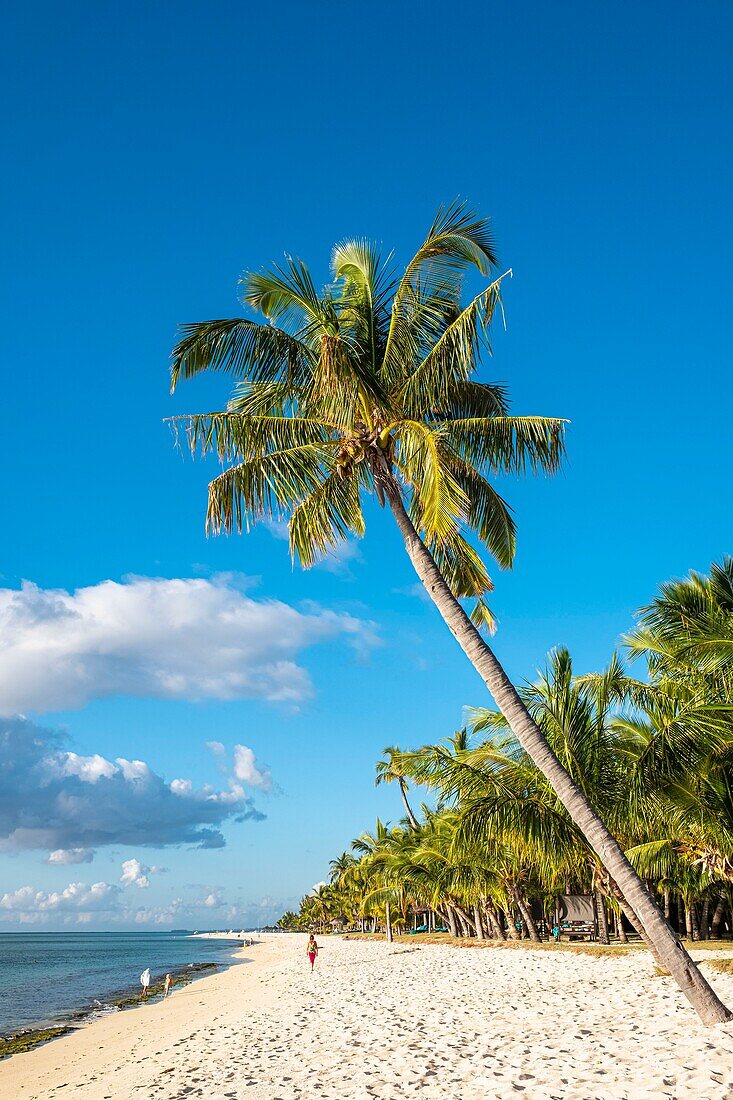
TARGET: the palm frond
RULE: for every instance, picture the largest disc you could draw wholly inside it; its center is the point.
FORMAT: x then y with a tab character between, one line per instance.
437	498
240	347
487	513
508	444
269	485
286	294
456	241
326	517
453	358
235	435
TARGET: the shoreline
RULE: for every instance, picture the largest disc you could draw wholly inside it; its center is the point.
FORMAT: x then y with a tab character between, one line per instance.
39	1072
46	1029
394	1021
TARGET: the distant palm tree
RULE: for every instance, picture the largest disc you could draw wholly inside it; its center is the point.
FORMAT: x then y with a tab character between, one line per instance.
389	771
368	387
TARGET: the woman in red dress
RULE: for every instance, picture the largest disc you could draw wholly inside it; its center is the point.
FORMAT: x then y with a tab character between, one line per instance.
312	950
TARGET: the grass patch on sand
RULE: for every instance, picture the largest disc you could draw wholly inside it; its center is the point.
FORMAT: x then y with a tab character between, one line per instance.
725	966
597	950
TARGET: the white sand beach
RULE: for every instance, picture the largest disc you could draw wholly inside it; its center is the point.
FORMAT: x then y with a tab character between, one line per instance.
379	1021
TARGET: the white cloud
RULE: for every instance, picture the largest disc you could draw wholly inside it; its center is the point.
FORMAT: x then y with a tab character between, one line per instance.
103	904
87	768
65	856
172	639
135	873
278	528
100	896
162	914
215	748
214	900
182	787
247	771
55	799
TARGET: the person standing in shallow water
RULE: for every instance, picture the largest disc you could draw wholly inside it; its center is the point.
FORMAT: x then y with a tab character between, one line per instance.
312	950
145	982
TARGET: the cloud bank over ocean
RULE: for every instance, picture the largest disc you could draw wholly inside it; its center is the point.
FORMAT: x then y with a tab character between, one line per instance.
184	638
180	639
55	799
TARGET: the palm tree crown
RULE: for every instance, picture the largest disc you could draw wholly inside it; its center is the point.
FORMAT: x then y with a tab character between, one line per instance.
369	383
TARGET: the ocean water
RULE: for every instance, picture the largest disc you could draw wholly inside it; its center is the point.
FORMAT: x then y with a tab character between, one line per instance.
51	977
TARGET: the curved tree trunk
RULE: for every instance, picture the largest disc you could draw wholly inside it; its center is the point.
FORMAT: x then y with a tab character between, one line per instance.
388	922
478	922
672	954
408	810
527	917
452	926
465	922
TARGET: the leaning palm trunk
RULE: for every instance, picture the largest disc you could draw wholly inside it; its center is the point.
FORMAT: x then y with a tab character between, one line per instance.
494	921
414	824
466	927
478	922
388	922
670	953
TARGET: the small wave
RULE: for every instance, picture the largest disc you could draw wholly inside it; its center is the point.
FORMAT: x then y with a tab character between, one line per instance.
100	1010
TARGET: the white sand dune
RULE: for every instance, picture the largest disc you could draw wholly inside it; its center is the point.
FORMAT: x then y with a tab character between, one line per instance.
373	1021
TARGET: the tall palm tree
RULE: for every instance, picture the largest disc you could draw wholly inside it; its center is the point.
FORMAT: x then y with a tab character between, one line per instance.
369	387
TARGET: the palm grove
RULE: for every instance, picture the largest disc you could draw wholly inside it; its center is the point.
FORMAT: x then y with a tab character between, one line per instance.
369	388
653	755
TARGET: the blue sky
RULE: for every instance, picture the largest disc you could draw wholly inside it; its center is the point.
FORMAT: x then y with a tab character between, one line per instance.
152	154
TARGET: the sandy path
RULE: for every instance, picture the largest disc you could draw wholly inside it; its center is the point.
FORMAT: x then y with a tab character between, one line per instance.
387	1023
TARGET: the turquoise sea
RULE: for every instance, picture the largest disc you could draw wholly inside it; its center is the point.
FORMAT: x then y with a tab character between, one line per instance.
56	977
